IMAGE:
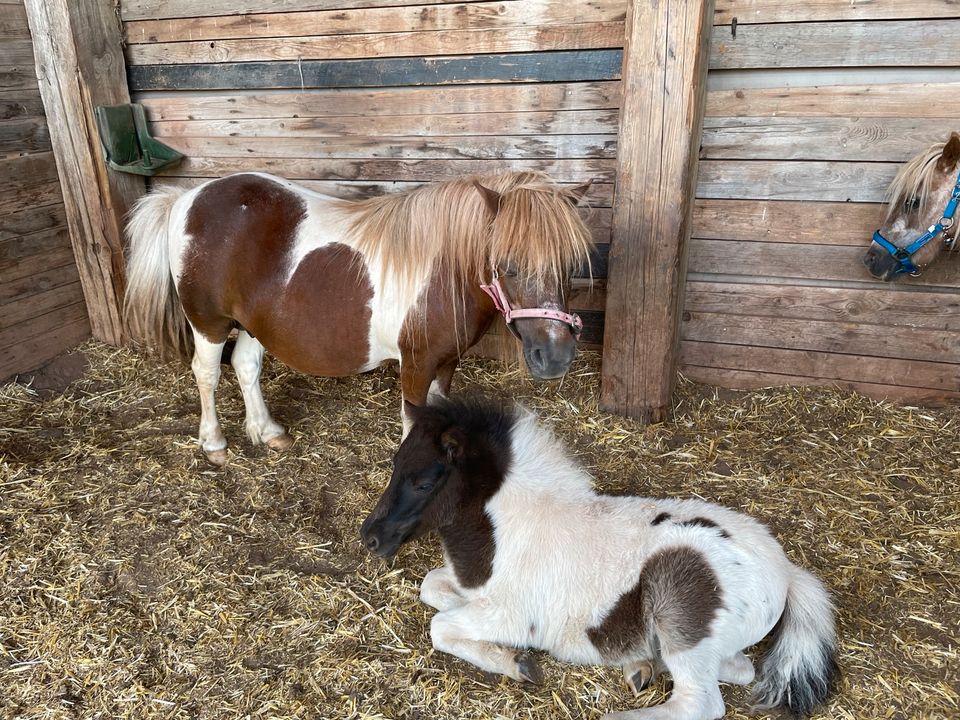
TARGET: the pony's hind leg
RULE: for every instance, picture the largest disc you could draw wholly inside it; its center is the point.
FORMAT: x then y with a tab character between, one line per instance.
639	675
206	370
737	669
695	695
247	360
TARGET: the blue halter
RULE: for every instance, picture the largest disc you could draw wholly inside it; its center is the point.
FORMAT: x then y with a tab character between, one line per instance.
903	255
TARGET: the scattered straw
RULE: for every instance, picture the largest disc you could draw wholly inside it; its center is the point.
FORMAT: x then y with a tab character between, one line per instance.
138	582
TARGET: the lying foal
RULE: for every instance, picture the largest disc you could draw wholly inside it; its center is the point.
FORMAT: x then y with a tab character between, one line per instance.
535	558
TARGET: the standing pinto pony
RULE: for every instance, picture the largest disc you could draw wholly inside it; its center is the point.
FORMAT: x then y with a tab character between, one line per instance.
334	287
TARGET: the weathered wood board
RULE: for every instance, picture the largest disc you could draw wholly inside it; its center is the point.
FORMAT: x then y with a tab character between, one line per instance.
42	308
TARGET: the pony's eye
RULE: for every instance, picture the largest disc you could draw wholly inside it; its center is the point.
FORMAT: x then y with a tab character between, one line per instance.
510	269
911	204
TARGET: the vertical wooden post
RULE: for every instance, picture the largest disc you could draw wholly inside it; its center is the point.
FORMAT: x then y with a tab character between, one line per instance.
661	117
80	64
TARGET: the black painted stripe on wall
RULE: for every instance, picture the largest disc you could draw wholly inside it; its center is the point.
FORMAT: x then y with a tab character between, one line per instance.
559	66
598	263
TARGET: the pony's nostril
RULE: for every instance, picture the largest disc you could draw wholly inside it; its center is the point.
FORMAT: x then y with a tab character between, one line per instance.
372	543
537	357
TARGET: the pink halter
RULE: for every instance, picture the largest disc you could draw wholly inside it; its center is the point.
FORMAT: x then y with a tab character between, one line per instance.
502	303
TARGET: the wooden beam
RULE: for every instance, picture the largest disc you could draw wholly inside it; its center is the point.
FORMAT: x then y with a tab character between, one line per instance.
555	66
664	93
79	63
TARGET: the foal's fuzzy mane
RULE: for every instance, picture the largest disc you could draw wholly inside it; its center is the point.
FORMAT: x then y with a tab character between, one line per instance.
449	227
915	179
538	458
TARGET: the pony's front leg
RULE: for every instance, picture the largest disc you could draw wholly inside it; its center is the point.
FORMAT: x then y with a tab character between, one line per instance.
247	361
440	589
206	370
419	383
459	631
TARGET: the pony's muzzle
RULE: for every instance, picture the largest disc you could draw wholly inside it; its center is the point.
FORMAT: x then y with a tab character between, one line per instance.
381	540
550	360
880	264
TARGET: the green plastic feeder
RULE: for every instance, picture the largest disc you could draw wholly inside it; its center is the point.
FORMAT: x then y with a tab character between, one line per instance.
128	145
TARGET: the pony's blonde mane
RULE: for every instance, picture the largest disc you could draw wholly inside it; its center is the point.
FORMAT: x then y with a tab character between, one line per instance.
915	179
448	227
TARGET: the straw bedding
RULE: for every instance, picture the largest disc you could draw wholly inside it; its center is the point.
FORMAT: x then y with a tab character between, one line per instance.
136	581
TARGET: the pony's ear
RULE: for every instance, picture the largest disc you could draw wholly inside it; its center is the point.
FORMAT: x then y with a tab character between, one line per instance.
576	194
490	197
452	441
950	155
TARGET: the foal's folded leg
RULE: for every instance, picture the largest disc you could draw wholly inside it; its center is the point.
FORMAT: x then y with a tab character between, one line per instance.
640	674
737	669
459	631
440	589
696	694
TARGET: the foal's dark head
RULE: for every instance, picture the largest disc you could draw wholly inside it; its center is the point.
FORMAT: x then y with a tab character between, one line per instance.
451	462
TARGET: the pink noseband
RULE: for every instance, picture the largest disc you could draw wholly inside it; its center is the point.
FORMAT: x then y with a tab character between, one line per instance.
502	303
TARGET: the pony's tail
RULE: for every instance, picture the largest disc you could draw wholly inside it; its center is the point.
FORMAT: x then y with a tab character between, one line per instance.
799	670
151	308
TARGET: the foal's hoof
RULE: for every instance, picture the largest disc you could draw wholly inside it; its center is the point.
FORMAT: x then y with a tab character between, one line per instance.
641	677
529	668
217	457
280	442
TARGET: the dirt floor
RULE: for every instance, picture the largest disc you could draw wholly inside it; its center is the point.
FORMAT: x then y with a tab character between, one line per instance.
136	581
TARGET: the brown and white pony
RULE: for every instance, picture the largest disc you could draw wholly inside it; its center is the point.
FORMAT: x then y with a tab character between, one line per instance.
534	558
920	221
334	287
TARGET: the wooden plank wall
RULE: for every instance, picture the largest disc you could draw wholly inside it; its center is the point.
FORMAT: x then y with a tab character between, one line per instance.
359	97
356	97
794	163
42	311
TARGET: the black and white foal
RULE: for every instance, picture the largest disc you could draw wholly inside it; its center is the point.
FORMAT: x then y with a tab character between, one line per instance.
534	558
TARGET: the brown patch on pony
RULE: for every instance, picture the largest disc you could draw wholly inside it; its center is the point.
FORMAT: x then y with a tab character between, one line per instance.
235	272
460	317
706	523
675	600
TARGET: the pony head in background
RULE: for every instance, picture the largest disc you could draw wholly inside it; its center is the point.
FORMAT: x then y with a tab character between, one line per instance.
921	214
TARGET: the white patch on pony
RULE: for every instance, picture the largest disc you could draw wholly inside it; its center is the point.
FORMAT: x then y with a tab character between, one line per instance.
178	239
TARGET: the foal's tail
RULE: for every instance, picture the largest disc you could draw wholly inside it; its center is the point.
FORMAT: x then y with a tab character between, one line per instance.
151	308
799	670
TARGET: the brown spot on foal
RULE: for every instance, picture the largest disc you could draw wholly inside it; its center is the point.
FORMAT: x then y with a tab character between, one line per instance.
673	602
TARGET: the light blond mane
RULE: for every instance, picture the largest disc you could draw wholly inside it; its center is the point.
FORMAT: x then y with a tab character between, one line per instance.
448	227
915	179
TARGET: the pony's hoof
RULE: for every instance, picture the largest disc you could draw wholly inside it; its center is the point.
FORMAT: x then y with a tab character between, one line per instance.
280	442
641	677
217	457
529	668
